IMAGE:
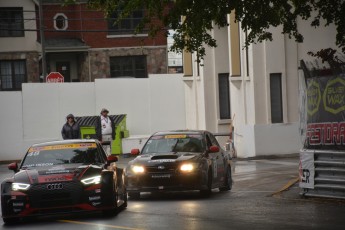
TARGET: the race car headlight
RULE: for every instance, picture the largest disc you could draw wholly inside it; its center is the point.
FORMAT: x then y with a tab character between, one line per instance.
92	180
138	169
187	167
20	186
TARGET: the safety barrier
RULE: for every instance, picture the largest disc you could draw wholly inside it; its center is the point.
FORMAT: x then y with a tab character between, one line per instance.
329	178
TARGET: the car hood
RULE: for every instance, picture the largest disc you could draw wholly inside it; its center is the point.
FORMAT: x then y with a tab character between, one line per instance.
154	158
56	173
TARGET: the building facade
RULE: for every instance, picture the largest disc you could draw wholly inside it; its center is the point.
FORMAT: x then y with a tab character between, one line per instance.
79	42
254	90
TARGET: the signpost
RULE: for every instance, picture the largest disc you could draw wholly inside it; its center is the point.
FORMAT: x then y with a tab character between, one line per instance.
55	77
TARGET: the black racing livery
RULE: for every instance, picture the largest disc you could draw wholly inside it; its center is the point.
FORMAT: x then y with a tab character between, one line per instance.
63	177
179	160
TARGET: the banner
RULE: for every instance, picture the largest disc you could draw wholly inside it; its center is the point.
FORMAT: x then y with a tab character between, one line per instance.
325	113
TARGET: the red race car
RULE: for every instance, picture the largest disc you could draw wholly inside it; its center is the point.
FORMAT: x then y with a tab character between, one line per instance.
63	177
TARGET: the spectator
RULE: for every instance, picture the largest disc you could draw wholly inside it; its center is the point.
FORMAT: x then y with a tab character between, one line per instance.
70	129
105	130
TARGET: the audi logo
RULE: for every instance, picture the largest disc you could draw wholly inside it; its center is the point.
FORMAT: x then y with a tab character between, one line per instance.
57	186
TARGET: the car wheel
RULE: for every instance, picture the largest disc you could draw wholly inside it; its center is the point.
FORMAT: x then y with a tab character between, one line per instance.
134	195
228	180
110	194
124	193
207	192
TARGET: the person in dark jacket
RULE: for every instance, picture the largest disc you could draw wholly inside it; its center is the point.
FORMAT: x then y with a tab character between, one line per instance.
105	130
70	129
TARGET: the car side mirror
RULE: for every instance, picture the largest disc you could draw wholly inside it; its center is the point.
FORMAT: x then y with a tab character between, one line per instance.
135	152
214	149
112	158
13	166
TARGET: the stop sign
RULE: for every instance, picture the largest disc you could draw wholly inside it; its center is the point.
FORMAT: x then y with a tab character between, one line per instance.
54	77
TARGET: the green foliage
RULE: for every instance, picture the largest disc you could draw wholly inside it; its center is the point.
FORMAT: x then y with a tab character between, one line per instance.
200	16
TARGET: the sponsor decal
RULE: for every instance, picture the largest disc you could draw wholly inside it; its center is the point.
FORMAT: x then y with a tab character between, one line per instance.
161	176
161	160
175	136
69	146
92	198
15	204
51	178
306	170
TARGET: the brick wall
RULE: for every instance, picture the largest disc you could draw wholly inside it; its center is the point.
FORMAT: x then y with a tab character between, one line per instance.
100	60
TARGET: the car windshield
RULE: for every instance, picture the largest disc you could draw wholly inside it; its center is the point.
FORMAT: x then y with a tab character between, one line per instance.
173	143
61	154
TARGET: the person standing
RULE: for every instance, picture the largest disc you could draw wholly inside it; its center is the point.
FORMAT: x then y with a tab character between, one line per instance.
105	130
71	129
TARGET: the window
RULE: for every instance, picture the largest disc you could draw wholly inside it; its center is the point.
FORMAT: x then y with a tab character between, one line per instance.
126	25
128	66
276	97
60	22
11	22
12	74
224	96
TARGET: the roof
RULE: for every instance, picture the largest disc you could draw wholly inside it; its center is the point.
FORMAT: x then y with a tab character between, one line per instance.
65	45
186	131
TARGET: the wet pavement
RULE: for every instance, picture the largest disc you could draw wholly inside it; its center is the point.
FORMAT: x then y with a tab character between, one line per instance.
265	195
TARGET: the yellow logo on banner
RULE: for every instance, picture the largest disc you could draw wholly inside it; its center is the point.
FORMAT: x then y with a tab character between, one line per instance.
334	96
314	97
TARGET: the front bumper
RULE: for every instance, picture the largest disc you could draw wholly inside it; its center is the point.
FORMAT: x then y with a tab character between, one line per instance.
151	182
37	201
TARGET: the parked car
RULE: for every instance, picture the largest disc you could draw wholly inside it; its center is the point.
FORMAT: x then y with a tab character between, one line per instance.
179	161
63	177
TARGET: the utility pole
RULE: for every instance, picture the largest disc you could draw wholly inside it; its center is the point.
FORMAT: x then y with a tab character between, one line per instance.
44	71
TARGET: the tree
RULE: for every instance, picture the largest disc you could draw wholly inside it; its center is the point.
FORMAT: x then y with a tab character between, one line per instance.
200	16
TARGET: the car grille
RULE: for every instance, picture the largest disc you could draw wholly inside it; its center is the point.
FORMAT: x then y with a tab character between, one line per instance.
157	169
67	194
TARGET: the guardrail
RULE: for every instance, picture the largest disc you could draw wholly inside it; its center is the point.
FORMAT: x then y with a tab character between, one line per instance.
329	179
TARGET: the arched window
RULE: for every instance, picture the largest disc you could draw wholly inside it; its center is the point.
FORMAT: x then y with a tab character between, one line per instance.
60	21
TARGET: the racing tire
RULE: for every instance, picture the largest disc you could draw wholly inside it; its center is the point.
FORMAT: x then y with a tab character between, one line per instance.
124	196
134	195
228	180
207	192
110	194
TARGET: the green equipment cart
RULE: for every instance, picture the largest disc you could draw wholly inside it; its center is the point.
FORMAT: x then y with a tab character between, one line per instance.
88	130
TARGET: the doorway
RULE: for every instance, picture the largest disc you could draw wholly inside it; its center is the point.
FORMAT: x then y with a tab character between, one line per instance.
64	69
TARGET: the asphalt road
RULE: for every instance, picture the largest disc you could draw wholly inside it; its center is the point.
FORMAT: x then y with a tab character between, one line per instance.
265	195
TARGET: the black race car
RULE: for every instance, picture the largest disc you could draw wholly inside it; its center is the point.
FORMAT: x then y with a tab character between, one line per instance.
179	161
63	177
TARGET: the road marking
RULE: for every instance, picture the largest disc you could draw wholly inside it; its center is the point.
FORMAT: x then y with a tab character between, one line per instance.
99	225
287	186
